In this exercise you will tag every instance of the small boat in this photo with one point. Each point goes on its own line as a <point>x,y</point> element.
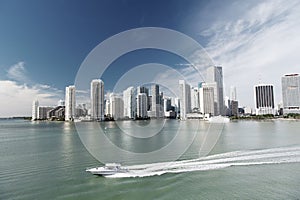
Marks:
<point>108,169</point>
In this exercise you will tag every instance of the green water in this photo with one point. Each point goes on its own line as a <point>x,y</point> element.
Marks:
<point>47,160</point>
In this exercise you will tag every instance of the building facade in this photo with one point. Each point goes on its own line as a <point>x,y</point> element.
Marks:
<point>97,99</point>
<point>142,102</point>
<point>207,96</point>
<point>35,105</point>
<point>185,99</point>
<point>129,98</point>
<point>70,103</point>
<point>214,77</point>
<point>291,93</point>
<point>156,105</point>
<point>195,101</point>
<point>116,107</point>
<point>264,99</point>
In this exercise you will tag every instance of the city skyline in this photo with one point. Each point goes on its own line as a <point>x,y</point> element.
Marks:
<point>41,52</point>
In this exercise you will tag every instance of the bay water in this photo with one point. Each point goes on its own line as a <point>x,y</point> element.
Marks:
<point>250,160</point>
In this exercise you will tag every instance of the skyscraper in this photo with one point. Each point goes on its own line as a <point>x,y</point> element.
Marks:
<point>142,89</point>
<point>210,98</point>
<point>155,100</point>
<point>70,103</point>
<point>97,99</point>
<point>116,106</point>
<point>291,93</point>
<point>35,105</point>
<point>214,74</point>
<point>129,98</point>
<point>142,105</point>
<point>206,95</point>
<point>195,104</point>
<point>264,99</point>
<point>185,99</point>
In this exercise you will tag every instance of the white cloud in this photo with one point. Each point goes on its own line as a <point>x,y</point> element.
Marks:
<point>259,45</point>
<point>17,72</point>
<point>17,94</point>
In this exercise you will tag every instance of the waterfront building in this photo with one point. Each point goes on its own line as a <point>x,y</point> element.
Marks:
<point>214,77</point>
<point>206,95</point>
<point>176,104</point>
<point>129,98</point>
<point>35,105</point>
<point>97,99</point>
<point>116,107</point>
<point>70,103</point>
<point>107,108</point>
<point>195,103</point>
<point>142,105</point>
<point>185,99</point>
<point>291,93</point>
<point>156,105</point>
<point>43,111</point>
<point>234,108</point>
<point>57,113</point>
<point>248,110</point>
<point>81,110</point>
<point>264,99</point>
<point>142,89</point>
<point>167,104</point>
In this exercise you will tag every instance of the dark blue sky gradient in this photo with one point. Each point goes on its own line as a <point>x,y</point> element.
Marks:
<point>54,37</point>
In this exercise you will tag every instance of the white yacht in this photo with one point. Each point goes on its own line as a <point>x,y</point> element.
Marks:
<point>108,169</point>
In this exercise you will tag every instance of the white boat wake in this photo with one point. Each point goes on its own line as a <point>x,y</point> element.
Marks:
<point>218,161</point>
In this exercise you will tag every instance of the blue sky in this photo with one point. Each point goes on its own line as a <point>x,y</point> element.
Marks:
<point>43,43</point>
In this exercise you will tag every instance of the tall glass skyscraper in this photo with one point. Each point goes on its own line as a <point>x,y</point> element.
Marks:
<point>155,100</point>
<point>142,105</point>
<point>185,99</point>
<point>214,74</point>
<point>264,99</point>
<point>97,99</point>
<point>291,93</point>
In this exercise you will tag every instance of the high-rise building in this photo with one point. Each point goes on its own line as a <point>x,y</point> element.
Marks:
<point>97,99</point>
<point>43,112</point>
<point>176,104</point>
<point>195,103</point>
<point>129,98</point>
<point>264,99</point>
<point>291,93</point>
<point>107,108</point>
<point>167,104</point>
<point>185,99</point>
<point>70,103</point>
<point>234,108</point>
<point>35,105</point>
<point>156,105</point>
<point>116,107</point>
<point>142,105</point>
<point>210,98</point>
<point>142,89</point>
<point>214,76</point>
<point>206,95</point>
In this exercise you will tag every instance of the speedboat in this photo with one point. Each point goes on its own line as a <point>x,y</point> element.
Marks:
<point>108,169</point>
